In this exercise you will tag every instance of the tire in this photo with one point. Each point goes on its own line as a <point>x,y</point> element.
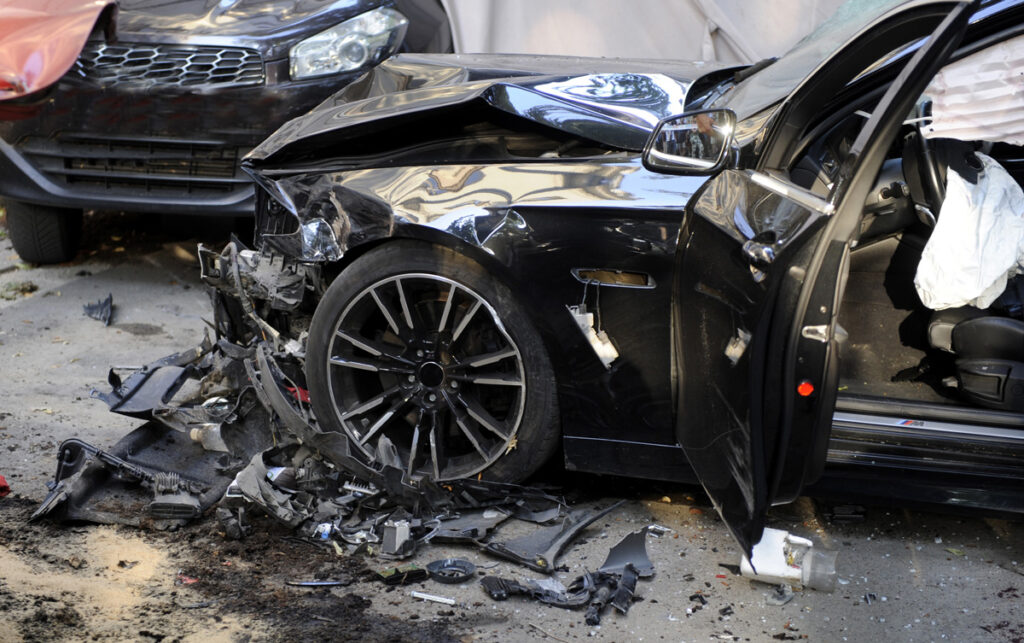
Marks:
<point>476,397</point>
<point>42,233</point>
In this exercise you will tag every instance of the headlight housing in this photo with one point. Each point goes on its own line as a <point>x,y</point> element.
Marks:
<point>364,40</point>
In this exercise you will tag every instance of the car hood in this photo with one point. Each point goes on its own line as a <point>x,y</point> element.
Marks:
<point>40,41</point>
<point>614,102</point>
<point>225,18</point>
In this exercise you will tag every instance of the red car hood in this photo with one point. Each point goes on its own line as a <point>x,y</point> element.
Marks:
<point>40,40</point>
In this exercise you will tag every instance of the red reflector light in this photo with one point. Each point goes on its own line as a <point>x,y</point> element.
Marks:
<point>805,388</point>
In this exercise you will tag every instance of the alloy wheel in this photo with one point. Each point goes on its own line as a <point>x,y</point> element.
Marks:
<point>427,362</point>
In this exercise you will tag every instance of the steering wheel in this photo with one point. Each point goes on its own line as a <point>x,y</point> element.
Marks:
<point>931,172</point>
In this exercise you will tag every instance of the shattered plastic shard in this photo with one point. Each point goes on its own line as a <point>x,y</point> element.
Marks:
<point>102,310</point>
<point>631,551</point>
<point>540,550</point>
<point>781,557</point>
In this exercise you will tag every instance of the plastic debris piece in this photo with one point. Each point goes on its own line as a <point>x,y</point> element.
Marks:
<point>338,582</point>
<point>781,594</point>
<point>451,570</point>
<point>433,599</point>
<point>540,550</point>
<point>4,487</point>
<point>470,526</point>
<point>403,575</point>
<point>625,589</point>
<point>102,310</point>
<point>780,557</point>
<point>631,550</point>
<point>397,540</point>
<point>659,530</point>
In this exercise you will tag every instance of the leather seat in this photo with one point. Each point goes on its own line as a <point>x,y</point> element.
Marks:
<point>989,351</point>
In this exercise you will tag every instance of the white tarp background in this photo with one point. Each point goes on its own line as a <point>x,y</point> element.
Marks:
<point>725,30</point>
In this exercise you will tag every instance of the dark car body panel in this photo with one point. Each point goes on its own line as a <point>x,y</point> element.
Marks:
<point>375,163</point>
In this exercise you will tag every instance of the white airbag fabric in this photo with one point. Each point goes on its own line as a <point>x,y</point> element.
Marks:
<point>981,97</point>
<point>978,241</point>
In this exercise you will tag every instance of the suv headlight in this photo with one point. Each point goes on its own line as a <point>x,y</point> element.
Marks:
<point>366,39</point>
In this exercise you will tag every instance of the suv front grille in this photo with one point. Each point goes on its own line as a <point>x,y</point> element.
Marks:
<point>155,166</point>
<point>175,65</point>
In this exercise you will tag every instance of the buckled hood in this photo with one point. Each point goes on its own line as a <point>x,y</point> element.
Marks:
<point>614,102</point>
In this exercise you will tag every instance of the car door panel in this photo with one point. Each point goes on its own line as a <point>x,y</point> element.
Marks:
<point>761,267</point>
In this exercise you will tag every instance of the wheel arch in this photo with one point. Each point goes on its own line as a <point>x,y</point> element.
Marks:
<point>546,319</point>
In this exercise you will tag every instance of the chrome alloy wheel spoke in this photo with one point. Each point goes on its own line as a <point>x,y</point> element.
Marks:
<point>427,363</point>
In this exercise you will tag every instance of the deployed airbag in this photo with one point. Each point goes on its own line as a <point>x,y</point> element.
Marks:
<point>978,241</point>
<point>979,98</point>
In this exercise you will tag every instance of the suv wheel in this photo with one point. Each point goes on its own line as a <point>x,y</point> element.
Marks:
<point>43,233</point>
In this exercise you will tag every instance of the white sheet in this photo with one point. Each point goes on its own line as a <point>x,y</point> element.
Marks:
<point>978,241</point>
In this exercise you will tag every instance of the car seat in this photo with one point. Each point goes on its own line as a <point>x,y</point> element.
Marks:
<point>989,351</point>
<point>988,344</point>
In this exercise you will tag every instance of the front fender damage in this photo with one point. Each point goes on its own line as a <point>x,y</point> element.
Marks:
<point>229,431</point>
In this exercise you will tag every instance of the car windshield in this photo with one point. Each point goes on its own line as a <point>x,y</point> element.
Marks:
<point>774,82</point>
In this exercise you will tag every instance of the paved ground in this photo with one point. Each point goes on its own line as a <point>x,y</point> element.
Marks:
<point>905,575</point>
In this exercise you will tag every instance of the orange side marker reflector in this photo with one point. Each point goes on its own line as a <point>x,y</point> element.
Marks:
<point>805,388</point>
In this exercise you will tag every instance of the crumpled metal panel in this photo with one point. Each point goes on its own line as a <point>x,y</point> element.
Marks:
<point>475,203</point>
<point>604,100</point>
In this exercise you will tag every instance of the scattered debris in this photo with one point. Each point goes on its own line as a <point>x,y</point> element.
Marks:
<point>403,575</point>
<point>659,530</point>
<point>451,570</point>
<point>781,594</point>
<point>127,564</point>
<point>432,598</point>
<point>5,488</point>
<point>339,582</point>
<point>781,557</point>
<point>15,289</point>
<point>613,584</point>
<point>540,550</point>
<point>630,551</point>
<point>229,430</point>
<point>102,310</point>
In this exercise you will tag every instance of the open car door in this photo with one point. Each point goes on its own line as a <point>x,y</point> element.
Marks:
<point>761,266</point>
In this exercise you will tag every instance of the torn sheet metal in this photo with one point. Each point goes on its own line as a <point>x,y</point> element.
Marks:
<point>540,550</point>
<point>604,99</point>
<point>977,243</point>
<point>978,97</point>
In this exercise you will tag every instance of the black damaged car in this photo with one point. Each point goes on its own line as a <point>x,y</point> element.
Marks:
<point>667,270</point>
<point>167,96</point>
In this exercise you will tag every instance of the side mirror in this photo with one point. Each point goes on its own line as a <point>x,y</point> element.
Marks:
<point>696,142</point>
